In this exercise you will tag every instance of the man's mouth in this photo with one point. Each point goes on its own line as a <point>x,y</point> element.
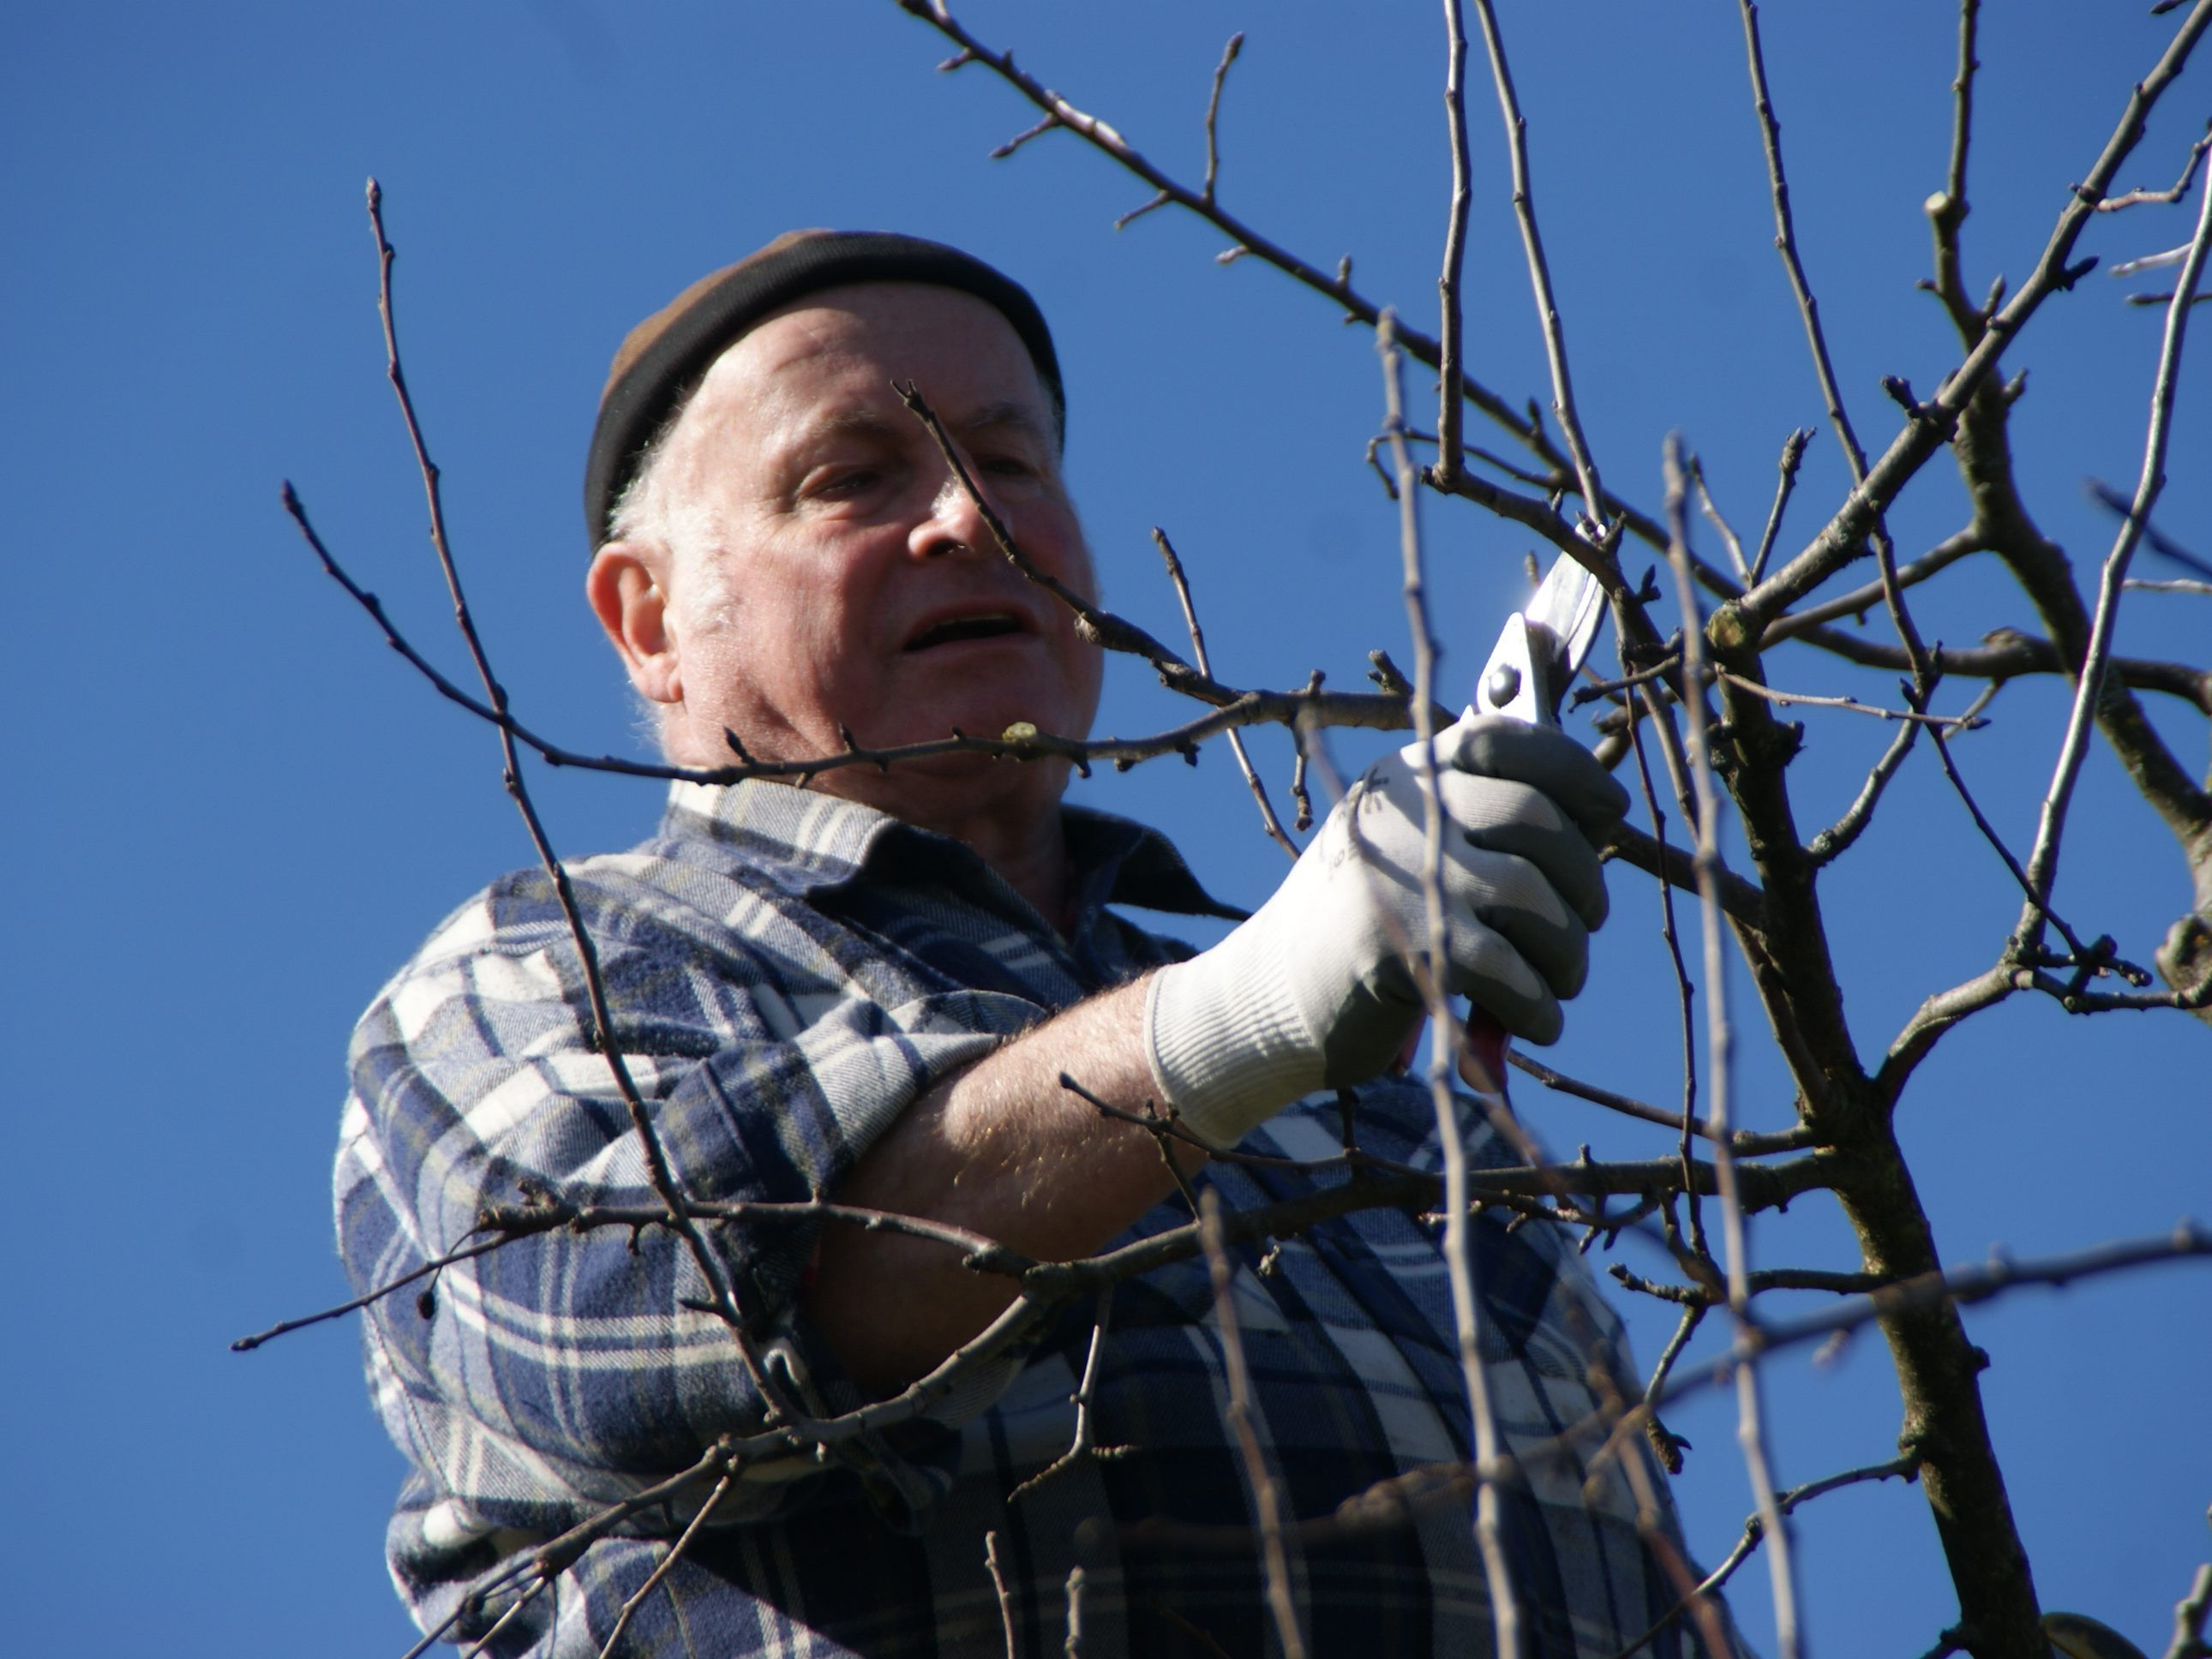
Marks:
<point>984,625</point>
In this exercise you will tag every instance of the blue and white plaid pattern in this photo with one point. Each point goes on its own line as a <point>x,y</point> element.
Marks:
<point>787,972</point>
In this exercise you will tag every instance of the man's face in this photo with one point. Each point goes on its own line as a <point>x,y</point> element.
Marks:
<point>838,578</point>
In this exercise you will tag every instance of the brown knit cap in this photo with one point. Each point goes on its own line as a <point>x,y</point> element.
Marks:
<point>663,359</point>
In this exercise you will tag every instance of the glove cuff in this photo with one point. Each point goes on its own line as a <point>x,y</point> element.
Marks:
<point>1227,1045</point>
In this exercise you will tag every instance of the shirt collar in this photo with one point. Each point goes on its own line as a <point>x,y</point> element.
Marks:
<point>809,842</point>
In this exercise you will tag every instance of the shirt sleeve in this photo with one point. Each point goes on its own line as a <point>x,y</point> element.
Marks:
<point>539,1382</point>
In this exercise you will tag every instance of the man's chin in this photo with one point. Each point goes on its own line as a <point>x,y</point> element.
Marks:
<point>1006,723</point>
<point>945,792</point>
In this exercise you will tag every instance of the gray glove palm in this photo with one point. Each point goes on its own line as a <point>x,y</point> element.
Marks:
<point>1316,990</point>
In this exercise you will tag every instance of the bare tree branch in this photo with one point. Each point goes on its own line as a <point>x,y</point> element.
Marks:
<point>1752,1429</point>
<point>1745,1143</point>
<point>1450,445</point>
<point>2043,859</point>
<point>1793,454</point>
<point>1963,1286</point>
<point>1444,1044</point>
<point>1539,273</point>
<point>1273,824</point>
<point>666,1565</point>
<point>1267,1496</point>
<point>603,1035</point>
<point>2054,270</point>
<point>1785,242</point>
<point>2188,1617</point>
<point>2169,196</point>
<point>1755,1529</point>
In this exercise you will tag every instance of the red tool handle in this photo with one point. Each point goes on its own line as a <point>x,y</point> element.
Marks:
<point>1482,1059</point>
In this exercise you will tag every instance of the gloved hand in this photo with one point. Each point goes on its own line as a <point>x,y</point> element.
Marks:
<point>1315,991</point>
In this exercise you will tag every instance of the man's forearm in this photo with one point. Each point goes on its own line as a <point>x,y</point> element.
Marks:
<point>1001,1150</point>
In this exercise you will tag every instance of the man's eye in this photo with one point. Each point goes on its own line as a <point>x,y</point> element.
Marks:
<point>1011,469</point>
<point>844,485</point>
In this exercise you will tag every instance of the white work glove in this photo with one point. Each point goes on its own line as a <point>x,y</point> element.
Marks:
<point>1315,990</point>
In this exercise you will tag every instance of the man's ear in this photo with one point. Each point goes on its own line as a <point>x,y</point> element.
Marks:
<point>628,597</point>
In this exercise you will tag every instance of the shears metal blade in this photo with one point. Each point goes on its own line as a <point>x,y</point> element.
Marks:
<point>1542,645</point>
<point>1538,653</point>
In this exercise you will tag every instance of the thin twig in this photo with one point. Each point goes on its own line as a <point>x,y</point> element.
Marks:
<point>1670,936</point>
<point>1005,1596</point>
<point>437,1633</point>
<point>482,1645</point>
<point>1762,1187</point>
<point>1832,843</point>
<point>2187,1241</point>
<point>1267,1496</point>
<point>1842,538</point>
<point>2156,539</point>
<point>1996,842</point>
<point>1793,454</point>
<point>1444,1039</point>
<point>2142,198</point>
<point>1668,1445</point>
<point>1746,1143</point>
<point>435,1264</point>
<point>602,1035</point>
<point>1859,600</point>
<point>1852,705</point>
<point>1451,406</point>
<point>1275,825</point>
<point>1114,633</point>
<point>1713,516</point>
<point>1245,240</point>
<point>1072,1647</point>
<point>2043,858</point>
<point>1213,113</point>
<point>1299,792</point>
<point>1948,211</point>
<point>2009,654</point>
<point>1785,243</point>
<point>1755,1529</point>
<point>1163,1126</point>
<point>1751,1430</point>
<point>1023,137</point>
<point>1533,513</point>
<point>1082,1445</point>
<point>2188,1617</point>
<point>663,1568</point>
<point>1596,690</point>
<point>2004,654</point>
<point>1539,274</point>
<point>1705,1294</point>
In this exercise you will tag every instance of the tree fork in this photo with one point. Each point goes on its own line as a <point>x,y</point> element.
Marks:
<point>2045,573</point>
<point>1797,975</point>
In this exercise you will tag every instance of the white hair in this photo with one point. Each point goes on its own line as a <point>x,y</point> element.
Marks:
<point>659,509</point>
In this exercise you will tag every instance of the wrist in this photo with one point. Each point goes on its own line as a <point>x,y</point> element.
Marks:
<point>1227,1043</point>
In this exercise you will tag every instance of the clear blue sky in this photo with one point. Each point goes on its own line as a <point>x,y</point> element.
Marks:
<point>232,812</point>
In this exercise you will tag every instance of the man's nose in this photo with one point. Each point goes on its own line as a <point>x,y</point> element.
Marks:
<point>954,522</point>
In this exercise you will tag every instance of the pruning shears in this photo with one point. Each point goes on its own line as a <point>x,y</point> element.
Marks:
<point>1538,653</point>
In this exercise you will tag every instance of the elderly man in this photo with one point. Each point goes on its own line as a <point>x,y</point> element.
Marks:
<point>866,990</point>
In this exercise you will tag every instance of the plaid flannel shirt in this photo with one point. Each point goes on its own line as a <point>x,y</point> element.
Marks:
<point>787,972</point>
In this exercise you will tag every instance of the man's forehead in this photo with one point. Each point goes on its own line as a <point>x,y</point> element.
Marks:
<point>1002,413</point>
<point>829,362</point>
<point>869,319</point>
